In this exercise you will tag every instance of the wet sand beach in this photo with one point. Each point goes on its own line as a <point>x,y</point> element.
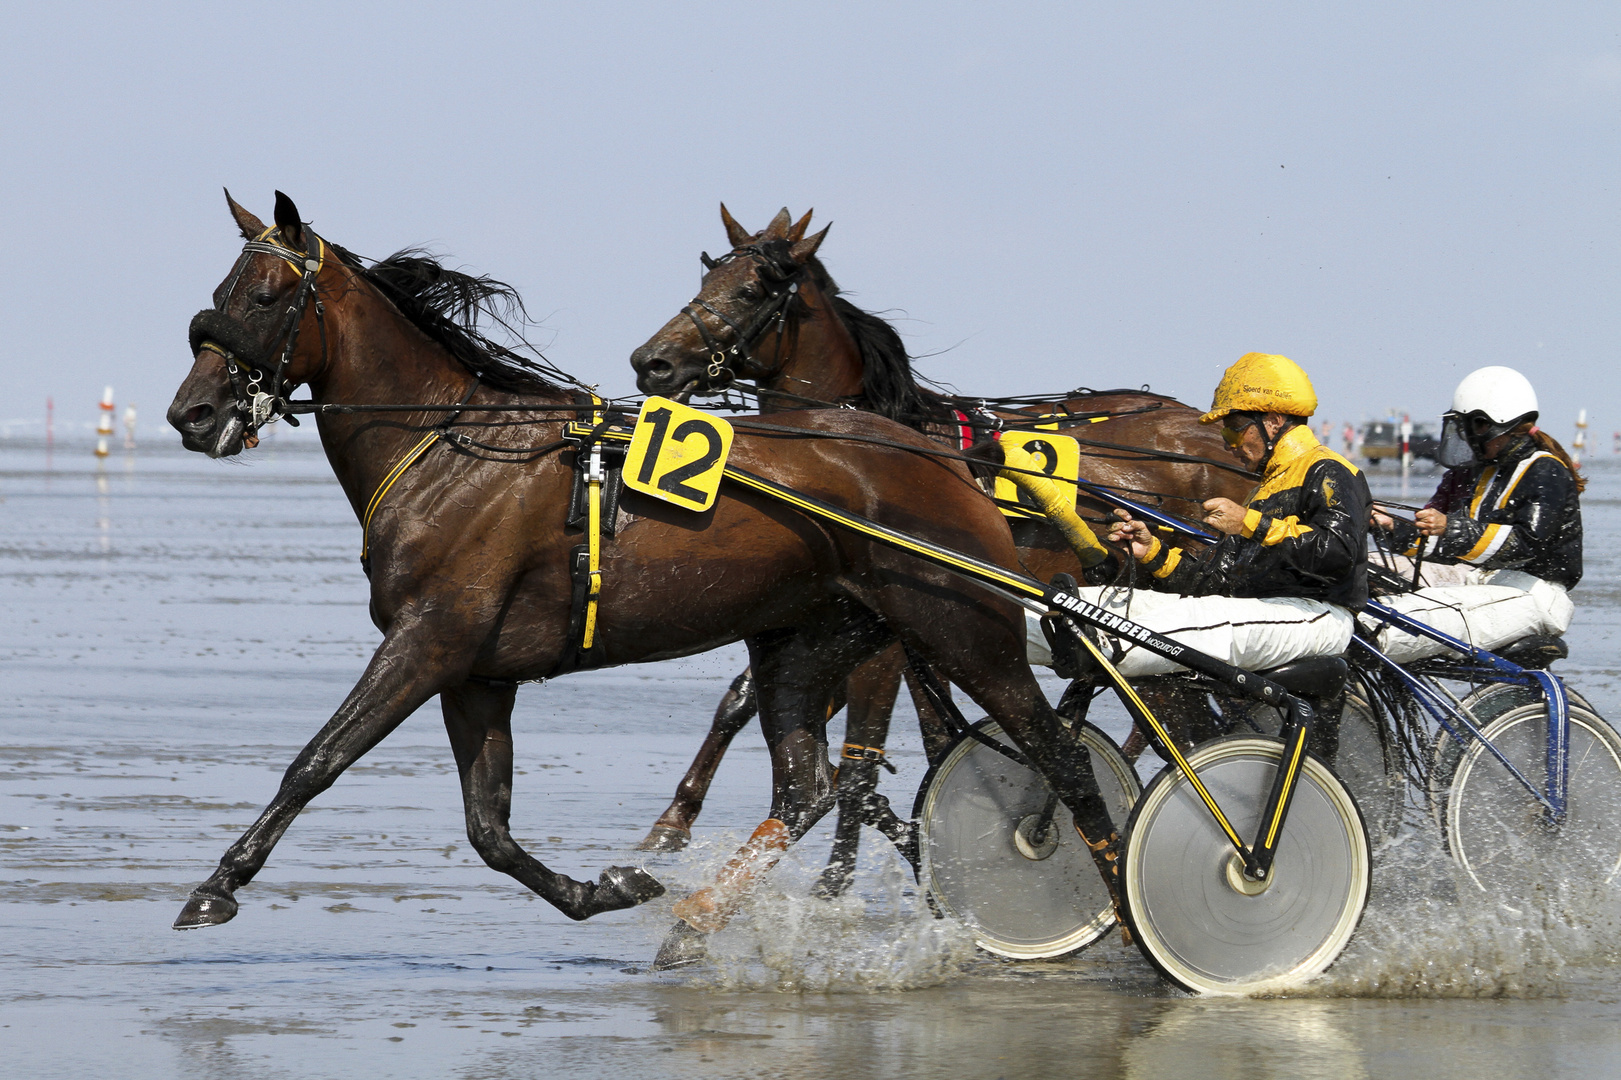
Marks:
<point>172,630</point>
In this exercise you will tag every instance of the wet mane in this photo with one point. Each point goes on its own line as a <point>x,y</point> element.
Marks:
<point>888,385</point>
<point>449,306</point>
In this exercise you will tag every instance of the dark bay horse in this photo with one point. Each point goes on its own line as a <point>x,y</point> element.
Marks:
<point>468,553</point>
<point>770,313</point>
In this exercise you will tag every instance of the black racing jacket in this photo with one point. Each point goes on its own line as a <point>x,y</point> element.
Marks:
<point>1518,512</point>
<point>1305,534</point>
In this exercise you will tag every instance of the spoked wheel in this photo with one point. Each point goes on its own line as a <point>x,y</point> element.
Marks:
<point>1485,704</point>
<point>1371,769</point>
<point>1028,893</point>
<point>1501,836</point>
<point>1198,919</point>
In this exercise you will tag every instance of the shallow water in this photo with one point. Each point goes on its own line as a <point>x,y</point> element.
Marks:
<point>174,629</point>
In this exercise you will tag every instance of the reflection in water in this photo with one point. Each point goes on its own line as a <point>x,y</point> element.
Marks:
<point>104,508</point>
<point>1258,1040</point>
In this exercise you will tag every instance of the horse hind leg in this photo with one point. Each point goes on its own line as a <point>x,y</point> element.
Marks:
<point>478,718</point>
<point>673,829</point>
<point>983,653</point>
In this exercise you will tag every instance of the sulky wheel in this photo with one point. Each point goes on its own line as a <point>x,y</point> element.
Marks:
<point>1502,837</point>
<point>1484,704</point>
<point>1368,762</point>
<point>1198,919</point>
<point>1027,894</point>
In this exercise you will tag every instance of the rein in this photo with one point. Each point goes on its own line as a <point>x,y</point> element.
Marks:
<point>775,308</point>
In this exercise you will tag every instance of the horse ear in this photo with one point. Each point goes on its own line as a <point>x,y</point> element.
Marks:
<point>805,248</point>
<point>250,225</point>
<point>292,229</point>
<point>736,235</point>
<point>797,233</point>
<point>778,229</point>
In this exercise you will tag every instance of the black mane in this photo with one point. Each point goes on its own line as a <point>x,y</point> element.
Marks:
<point>449,305</point>
<point>888,386</point>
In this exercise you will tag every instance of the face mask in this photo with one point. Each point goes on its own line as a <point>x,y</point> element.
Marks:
<point>1455,450</point>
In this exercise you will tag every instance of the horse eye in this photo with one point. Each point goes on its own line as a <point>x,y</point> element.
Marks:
<point>264,297</point>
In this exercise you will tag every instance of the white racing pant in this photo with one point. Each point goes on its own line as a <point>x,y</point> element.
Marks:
<point>1254,634</point>
<point>1491,609</point>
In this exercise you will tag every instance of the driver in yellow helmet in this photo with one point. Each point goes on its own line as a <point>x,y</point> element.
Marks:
<point>1292,565</point>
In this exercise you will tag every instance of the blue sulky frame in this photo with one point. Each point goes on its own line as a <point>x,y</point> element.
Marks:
<point>1477,664</point>
<point>1480,665</point>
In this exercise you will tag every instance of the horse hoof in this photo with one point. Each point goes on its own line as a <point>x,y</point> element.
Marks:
<point>832,883</point>
<point>665,838</point>
<point>205,909</point>
<point>682,946</point>
<point>626,886</point>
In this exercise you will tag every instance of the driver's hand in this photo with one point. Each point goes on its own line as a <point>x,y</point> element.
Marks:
<point>1225,515</point>
<point>1430,522</point>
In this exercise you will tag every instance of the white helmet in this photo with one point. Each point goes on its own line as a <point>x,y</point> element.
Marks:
<point>1488,403</point>
<point>1500,394</point>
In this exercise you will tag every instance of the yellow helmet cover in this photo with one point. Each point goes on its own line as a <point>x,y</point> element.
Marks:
<point>1262,382</point>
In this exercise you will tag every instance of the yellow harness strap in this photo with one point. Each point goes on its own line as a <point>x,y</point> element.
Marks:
<point>388,481</point>
<point>594,477</point>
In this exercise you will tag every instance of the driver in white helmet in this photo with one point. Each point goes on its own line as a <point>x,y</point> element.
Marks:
<point>1501,539</point>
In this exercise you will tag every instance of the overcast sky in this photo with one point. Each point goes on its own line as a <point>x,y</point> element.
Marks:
<point>1044,196</point>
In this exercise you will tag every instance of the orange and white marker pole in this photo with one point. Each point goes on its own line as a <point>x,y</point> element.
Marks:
<point>104,429</point>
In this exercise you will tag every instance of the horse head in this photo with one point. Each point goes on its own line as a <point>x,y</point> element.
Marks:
<point>262,337</point>
<point>744,322</point>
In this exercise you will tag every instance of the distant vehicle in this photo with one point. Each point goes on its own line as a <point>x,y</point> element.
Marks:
<point>1382,439</point>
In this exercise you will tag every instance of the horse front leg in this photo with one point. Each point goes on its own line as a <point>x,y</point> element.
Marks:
<point>397,681</point>
<point>673,829</point>
<point>872,689</point>
<point>478,718</point>
<point>796,672</point>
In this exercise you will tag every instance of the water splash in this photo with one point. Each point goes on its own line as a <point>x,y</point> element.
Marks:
<point>880,936</point>
<point>1431,931</point>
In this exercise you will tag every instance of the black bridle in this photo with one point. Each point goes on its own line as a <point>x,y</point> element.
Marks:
<point>774,308</point>
<point>261,389</point>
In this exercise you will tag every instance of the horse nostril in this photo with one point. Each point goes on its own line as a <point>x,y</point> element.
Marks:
<point>198,416</point>
<point>659,369</point>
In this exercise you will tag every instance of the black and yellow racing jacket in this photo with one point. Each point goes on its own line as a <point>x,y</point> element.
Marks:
<point>1305,534</point>
<point>1518,512</point>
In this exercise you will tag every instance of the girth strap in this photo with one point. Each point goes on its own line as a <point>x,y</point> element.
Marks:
<point>594,477</point>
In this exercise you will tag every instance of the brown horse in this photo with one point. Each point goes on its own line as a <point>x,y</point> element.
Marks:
<point>468,553</point>
<point>769,312</point>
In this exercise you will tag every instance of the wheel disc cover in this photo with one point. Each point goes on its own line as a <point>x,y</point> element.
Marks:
<point>973,867</point>
<point>1210,936</point>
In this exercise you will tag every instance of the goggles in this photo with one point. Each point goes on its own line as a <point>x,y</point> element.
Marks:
<point>1233,426</point>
